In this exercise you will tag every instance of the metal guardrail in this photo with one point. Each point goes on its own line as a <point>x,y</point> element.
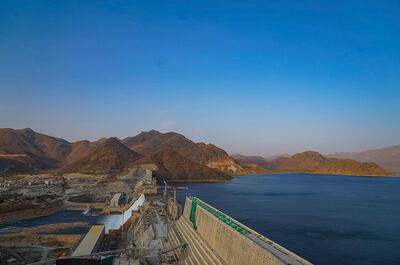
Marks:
<point>281,253</point>
<point>224,218</point>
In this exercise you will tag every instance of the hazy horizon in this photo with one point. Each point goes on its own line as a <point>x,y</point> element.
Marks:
<point>265,155</point>
<point>260,78</point>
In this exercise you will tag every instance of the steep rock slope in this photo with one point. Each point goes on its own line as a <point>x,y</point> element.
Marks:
<point>314,162</point>
<point>172,166</point>
<point>251,160</point>
<point>388,157</point>
<point>110,156</point>
<point>205,154</point>
<point>45,151</point>
<point>12,164</point>
<point>81,149</point>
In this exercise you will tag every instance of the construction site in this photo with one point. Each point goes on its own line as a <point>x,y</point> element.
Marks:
<point>154,228</point>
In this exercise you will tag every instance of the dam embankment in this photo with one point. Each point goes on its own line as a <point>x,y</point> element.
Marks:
<point>215,235</point>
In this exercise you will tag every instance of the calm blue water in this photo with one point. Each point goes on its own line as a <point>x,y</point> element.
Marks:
<point>328,220</point>
<point>62,217</point>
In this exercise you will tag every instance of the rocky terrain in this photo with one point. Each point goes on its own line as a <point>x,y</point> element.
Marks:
<point>10,163</point>
<point>388,157</point>
<point>173,166</point>
<point>26,151</point>
<point>255,161</point>
<point>314,162</point>
<point>206,154</point>
<point>110,156</point>
<point>177,158</point>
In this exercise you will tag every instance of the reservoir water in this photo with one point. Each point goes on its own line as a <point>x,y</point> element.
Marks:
<point>67,216</point>
<point>113,221</point>
<point>329,220</point>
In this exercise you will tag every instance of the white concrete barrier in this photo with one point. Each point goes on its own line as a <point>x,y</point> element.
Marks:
<point>115,221</point>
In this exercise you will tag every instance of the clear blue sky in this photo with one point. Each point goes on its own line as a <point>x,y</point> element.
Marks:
<point>255,77</point>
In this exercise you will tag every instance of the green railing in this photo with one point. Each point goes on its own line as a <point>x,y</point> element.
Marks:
<point>224,218</point>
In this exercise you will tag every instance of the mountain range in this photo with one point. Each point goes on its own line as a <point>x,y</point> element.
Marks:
<point>177,158</point>
<point>388,157</point>
<point>314,162</point>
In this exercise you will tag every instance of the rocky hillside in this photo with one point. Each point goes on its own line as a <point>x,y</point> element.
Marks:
<point>110,156</point>
<point>173,166</point>
<point>178,158</point>
<point>314,162</point>
<point>29,142</point>
<point>81,149</point>
<point>11,164</point>
<point>26,151</point>
<point>40,151</point>
<point>201,153</point>
<point>258,161</point>
<point>388,157</point>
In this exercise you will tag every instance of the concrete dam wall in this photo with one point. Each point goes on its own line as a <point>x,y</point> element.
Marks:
<point>216,238</point>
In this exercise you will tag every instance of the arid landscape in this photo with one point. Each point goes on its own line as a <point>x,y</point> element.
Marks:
<point>42,175</point>
<point>199,132</point>
<point>25,151</point>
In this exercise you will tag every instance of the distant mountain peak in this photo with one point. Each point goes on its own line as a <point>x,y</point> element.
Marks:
<point>153,132</point>
<point>27,130</point>
<point>111,141</point>
<point>113,144</point>
<point>179,157</point>
<point>314,162</point>
<point>310,155</point>
<point>209,155</point>
<point>387,157</point>
<point>173,166</point>
<point>109,157</point>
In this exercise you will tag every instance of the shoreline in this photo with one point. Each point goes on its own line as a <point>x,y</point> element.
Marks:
<point>317,173</point>
<point>42,212</point>
<point>28,214</point>
<point>201,181</point>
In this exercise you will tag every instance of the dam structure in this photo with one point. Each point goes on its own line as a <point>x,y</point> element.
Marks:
<point>216,238</point>
<point>156,230</point>
<point>202,235</point>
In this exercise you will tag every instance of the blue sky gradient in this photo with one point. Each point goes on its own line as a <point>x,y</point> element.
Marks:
<point>255,77</point>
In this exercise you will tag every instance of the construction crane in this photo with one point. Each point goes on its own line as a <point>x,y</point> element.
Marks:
<point>174,188</point>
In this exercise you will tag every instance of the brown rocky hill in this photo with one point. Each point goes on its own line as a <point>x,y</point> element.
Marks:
<point>314,162</point>
<point>175,167</point>
<point>205,154</point>
<point>12,164</point>
<point>110,156</point>
<point>388,157</point>
<point>81,149</point>
<point>29,142</point>
<point>26,151</point>
<point>251,160</point>
<point>45,151</point>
